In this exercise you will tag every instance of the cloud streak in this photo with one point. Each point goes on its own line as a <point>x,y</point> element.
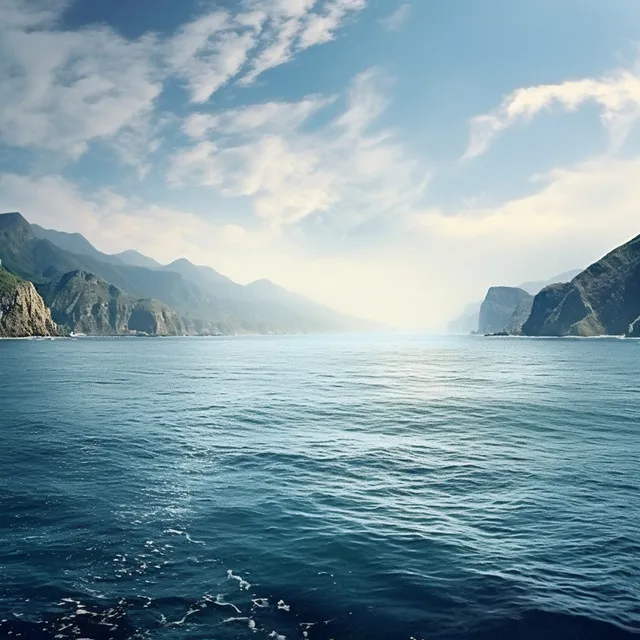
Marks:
<point>348,169</point>
<point>617,95</point>
<point>63,90</point>
<point>396,20</point>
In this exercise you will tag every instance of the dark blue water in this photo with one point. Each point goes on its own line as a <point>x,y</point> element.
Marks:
<point>316,487</point>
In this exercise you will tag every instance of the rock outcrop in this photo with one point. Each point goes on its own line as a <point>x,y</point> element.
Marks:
<point>23,313</point>
<point>469,320</point>
<point>504,310</point>
<point>602,300</point>
<point>84,303</point>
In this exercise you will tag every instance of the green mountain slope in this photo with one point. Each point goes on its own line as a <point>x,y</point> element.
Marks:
<point>207,301</point>
<point>602,300</point>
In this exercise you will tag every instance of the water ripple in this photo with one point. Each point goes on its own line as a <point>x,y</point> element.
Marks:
<point>319,487</point>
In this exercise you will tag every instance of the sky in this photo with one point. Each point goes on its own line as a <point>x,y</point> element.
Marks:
<point>390,158</point>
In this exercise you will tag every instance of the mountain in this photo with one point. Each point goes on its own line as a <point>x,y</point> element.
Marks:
<point>84,303</point>
<point>206,278</point>
<point>283,304</point>
<point>207,301</point>
<point>136,259</point>
<point>535,287</point>
<point>602,300</point>
<point>22,311</point>
<point>504,309</point>
<point>76,243</point>
<point>469,319</point>
<point>73,243</point>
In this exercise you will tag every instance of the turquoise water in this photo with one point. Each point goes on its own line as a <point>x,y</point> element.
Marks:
<point>320,487</point>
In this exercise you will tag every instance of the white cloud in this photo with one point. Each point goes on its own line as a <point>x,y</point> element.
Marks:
<point>397,20</point>
<point>266,116</point>
<point>291,173</point>
<point>618,96</point>
<point>295,27</point>
<point>18,14</point>
<point>114,223</point>
<point>211,50</point>
<point>321,27</point>
<point>594,199</point>
<point>61,90</point>
<point>278,50</point>
<point>220,47</point>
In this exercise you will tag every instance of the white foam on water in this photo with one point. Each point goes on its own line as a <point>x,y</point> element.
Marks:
<point>221,603</point>
<point>180,532</point>
<point>250,622</point>
<point>180,622</point>
<point>260,602</point>
<point>241,581</point>
<point>283,606</point>
<point>277,636</point>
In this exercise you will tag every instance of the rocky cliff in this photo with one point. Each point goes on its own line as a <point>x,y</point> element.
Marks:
<point>602,300</point>
<point>23,313</point>
<point>469,320</point>
<point>84,303</point>
<point>504,309</point>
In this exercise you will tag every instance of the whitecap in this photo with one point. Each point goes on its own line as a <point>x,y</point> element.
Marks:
<point>282,605</point>
<point>221,603</point>
<point>241,581</point>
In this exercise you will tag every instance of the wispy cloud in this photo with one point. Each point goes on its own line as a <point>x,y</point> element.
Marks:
<point>618,96</point>
<point>116,223</point>
<point>296,26</point>
<point>267,117</point>
<point>347,168</point>
<point>62,90</point>
<point>396,20</point>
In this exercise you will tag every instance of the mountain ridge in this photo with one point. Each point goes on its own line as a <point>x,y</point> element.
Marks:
<point>468,321</point>
<point>208,302</point>
<point>604,299</point>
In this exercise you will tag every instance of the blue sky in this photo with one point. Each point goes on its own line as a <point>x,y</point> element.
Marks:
<point>390,158</point>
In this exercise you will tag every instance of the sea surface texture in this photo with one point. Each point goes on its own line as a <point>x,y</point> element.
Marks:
<point>374,487</point>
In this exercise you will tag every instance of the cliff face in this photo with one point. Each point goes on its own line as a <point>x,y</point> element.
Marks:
<point>602,300</point>
<point>22,311</point>
<point>504,309</point>
<point>87,304</point>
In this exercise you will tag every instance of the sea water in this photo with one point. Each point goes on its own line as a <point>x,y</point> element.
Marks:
<point>345,487</point>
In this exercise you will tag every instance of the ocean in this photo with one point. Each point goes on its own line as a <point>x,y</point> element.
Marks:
<point>346,487</point>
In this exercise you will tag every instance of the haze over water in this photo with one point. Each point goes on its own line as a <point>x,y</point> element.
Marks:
<point>320,487</point>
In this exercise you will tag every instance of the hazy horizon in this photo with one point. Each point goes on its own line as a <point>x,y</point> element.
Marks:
<point>386,159</point>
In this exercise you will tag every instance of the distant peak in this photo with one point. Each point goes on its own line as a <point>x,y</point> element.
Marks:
<point>263,282</point>
<point>267,287</point>
<point>12,219</point>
